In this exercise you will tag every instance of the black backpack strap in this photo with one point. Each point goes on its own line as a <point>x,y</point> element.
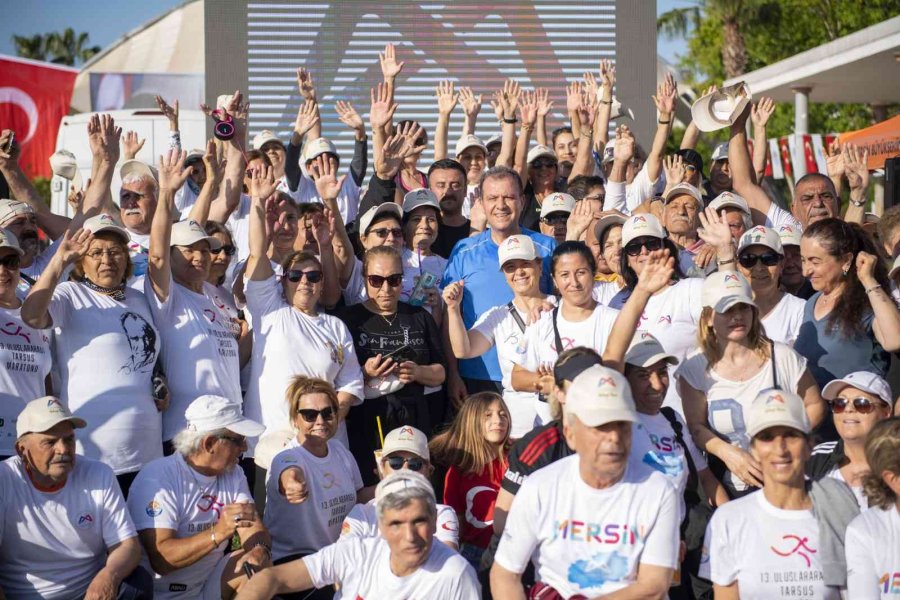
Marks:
<point>774,370</point>
<point>693,482</point>
<point>515,316</point>
<point>558,339</point>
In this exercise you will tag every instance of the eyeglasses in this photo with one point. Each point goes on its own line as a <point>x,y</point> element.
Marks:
<point>543,164</point>
<point>769,259</point>
<point>862,405</point>
<point>112,253</point>
<point>376,281</point>
<point>382,232</point>
<point>397,462</point>
<point>237,441</point>
<point>651,244</point>
<point>310,415</point>
<point>295,275</point>
<point>10,262</point>
<point>690,168</point>
<point>229,250</point>
<point>555,220</point>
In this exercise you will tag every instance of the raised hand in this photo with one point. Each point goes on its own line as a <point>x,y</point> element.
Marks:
<point>11,157</point>
<point>666,93</point>
<point>574,96</point>
<point>470,102</point>
<point>590,86</point>
<point>103,137</point>
<point>713,229</point>
<point>761,112</point>
<point>390,68</point>
<point>172,172</point>
<point>447,97</point>
<point>305,84</point>
<point>587,110</point>
<point>453,295</point>
<point>132,144</point>
<point>834,160</point>
<point>528,108</point>
<point>214,162</point>
<point>607,74</point>
<point>323,228</point>
<point>239,111</point>
<point>397,148</point>
<point>544,104</point>
<point>293,485</point>
<point>579,220</point>
<point>855,167</point>
<point>170,112</point>
<point>624,148</point>
<point>673,165</point>
<point>74,245</point>
<point>348,116</point>
<point>307,117</point>
<point>657,272</point>
<point>381,110</point>
<point>509,98</point>
<point>324,173</point>
<point>262,183</point>
<point>865,269</point>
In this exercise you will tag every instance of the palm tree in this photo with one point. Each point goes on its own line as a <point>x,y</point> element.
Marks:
<point>69,47</point>
<point>34,47</point>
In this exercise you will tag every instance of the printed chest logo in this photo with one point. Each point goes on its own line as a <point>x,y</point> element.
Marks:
<point>208,503</point>
<point>480,514</point>
<point>794,544</point>
<point>14,330</point>
<point>890,583</point>
<point>599,569</point>
<point>567,343</point>
<point>154,509</point>
<point>141,342</point>
<point>667,319</point>
<point>329,480</point>
<point>85,521</point>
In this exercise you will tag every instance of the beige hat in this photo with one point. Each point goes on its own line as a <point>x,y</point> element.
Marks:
<point>721,108</point>
<point>139,168</point>
<point>468,141</point>
<point>317,147</point>
<point>11,209</point>
<point>418,198</point>
<point>539,151</point>
<point>642,225</point>
<point>761,236</point>
<point>195,154</point>
<point>730,200</point>
<point>557,202</point>
<point>43,414</point>
<point>724,289</point>
<point>189,232</point>
<point>402,480</point>
<point>264,137</point>
<point>861,380</point>
<point>8,240</point>
<point>494,139</point>
<point>366,220</point>
<point>63,164</point>
<point>406,439</point>
<point>721,152</point>
<point>790,235</point>
<point>599,396</point>
<point>105,222</point>
<point>683,189</point>
<point>609,151</point>
<point>606,222</point>
<point>516,247</point>
<point>646,350</point>
<point>773,408</point>
<point>210,413</point>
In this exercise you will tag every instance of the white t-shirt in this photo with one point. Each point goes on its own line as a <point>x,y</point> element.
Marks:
<point>355,290</point>
<point>782,324</point>
<point>872,547</point>
<point>588,541</point>
<point>362,522</point>
<point>414,265</point>
<point>771,553</point>
<point>169,494</point>
<point>861,499</point>
<point>777,217</point>
<point>728,401</point>
<point>362,567</point>
<point>653,442</point>
<point>286,343</point>
<point>52,544</point>
<point>332,482</point>
<point>499,328</point>
<point>199,351</point>
<point>104,353</point>
<point>604,291</point>
<point>347,200</point>
<point>25,358</point>
<point>139,249</point>
<point>239,225</point>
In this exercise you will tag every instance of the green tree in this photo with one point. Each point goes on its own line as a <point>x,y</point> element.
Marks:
<point>64,48</point>
<point>33,47</point>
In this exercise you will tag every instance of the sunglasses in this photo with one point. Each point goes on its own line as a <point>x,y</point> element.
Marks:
<point>310,414</point>
<point>382,232</point>
<point>237,441</point>
<point>10,262</point>
<point>296,275</point>
<point>543,164</point>
<point>651,244</point>
<point>862,405</point>
<point>769,259</point>
<point>555,220</point>
<point>397,462</point>
<point>229,250</point>
<point>376,281</point>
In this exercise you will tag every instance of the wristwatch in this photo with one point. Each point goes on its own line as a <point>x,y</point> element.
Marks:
<point>858,203</point>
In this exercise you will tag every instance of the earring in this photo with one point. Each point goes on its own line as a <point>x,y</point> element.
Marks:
<point>845,270</point>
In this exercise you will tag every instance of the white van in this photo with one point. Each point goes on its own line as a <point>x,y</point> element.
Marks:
<point>150,125</point>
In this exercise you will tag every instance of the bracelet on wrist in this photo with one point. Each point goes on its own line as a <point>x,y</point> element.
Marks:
<point>858,203</point>
<point>666,122</point>
<point>606,102</point>
<point>725,262</point>
<point>512,120</point>
<point>212,536</point>
<point>869,290</point>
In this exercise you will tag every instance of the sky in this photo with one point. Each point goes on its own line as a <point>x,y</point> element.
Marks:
<point>107,20</point>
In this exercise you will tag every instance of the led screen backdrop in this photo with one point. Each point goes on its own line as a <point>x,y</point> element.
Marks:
<point>540,44</point>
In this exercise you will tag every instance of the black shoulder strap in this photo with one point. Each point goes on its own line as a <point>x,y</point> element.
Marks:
<point>774,370</point>
<point>693,480</point>
<point>515,316</point>
<point>558,339</point>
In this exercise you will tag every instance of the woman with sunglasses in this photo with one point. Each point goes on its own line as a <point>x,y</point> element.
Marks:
<point>314,482</point>
<point>25,351</point>
<point>219,292</point>
<point>872,543</point>
<point>540,181</point>
<point>719,381</point>
<point>399,348</point>
<point>381,225</point>
<point>858,402</point>
<point>474,450</point>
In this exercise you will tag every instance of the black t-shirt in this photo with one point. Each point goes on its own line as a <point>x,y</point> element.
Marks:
<point>447,237</point>
<point>538,448</point>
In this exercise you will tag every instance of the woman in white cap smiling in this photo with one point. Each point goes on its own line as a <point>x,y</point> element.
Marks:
<point>787,539</point>
<point>101,324</point>
<point>858,402</point>
<point>422,268</point>
<point>719,381</point>
<point>24,351</point>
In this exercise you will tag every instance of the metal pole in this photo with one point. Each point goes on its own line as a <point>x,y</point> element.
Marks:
<point>801,125</point>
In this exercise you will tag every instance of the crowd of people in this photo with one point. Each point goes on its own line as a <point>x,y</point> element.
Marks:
<point>253,370</point>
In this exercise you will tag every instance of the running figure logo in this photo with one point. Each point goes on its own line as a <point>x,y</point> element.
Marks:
<point>799,547</point>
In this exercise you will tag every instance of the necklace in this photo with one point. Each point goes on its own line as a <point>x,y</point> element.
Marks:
<point>390,322</point>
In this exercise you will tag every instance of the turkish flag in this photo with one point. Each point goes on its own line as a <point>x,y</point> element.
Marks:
<point>785,151</point>
<point>34,97</point>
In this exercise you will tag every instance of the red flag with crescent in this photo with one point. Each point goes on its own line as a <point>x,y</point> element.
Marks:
<point>34,97</point>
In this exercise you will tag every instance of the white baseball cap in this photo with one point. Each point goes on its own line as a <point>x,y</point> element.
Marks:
<point>646,350</point>
<point>516,247</point>
<point>609,151</point>
<point>10,209</point>
<point>270,444</point>
<point>139,168</point>
<point>557,202</point>
<point>721,152</point>
<point>790,235</point>
<point>773,408</point>
<point>189,232</point>
<point>63,164</point>
<point>683,189</point>
<point>730,200</point>
<point>538,152</point>
<point>606,222</point>
<point>861,380</point>
<point>264,137</point>
<point>721,108</point>
<point>8,240</point>
<point>642,225</point>
<point>391,208</point>
<point>468,141</point>
<point>45,413</point>
<point>761,236</point>
<point>105,222</point>
<point>209,413</point>
<point>318,147</point>
<point>418,198</point>
<point>600,395</point>
<point>402,480</point>
<point>406,439</point>
<point>195,154</point>
<point>494,139</point>
<point>724,289</point>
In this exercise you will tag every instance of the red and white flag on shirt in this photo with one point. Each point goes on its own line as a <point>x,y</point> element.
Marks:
<point>34,97</point>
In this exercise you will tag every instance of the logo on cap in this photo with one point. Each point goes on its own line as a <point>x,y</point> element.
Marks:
<point>406,433</point>
<point>786,228</point>
<point>731,277</point>
<point>638,219</point>
<point>607,381</point>
<point>774,399</point>
<point>512,242</point>
<point>106,220</point>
